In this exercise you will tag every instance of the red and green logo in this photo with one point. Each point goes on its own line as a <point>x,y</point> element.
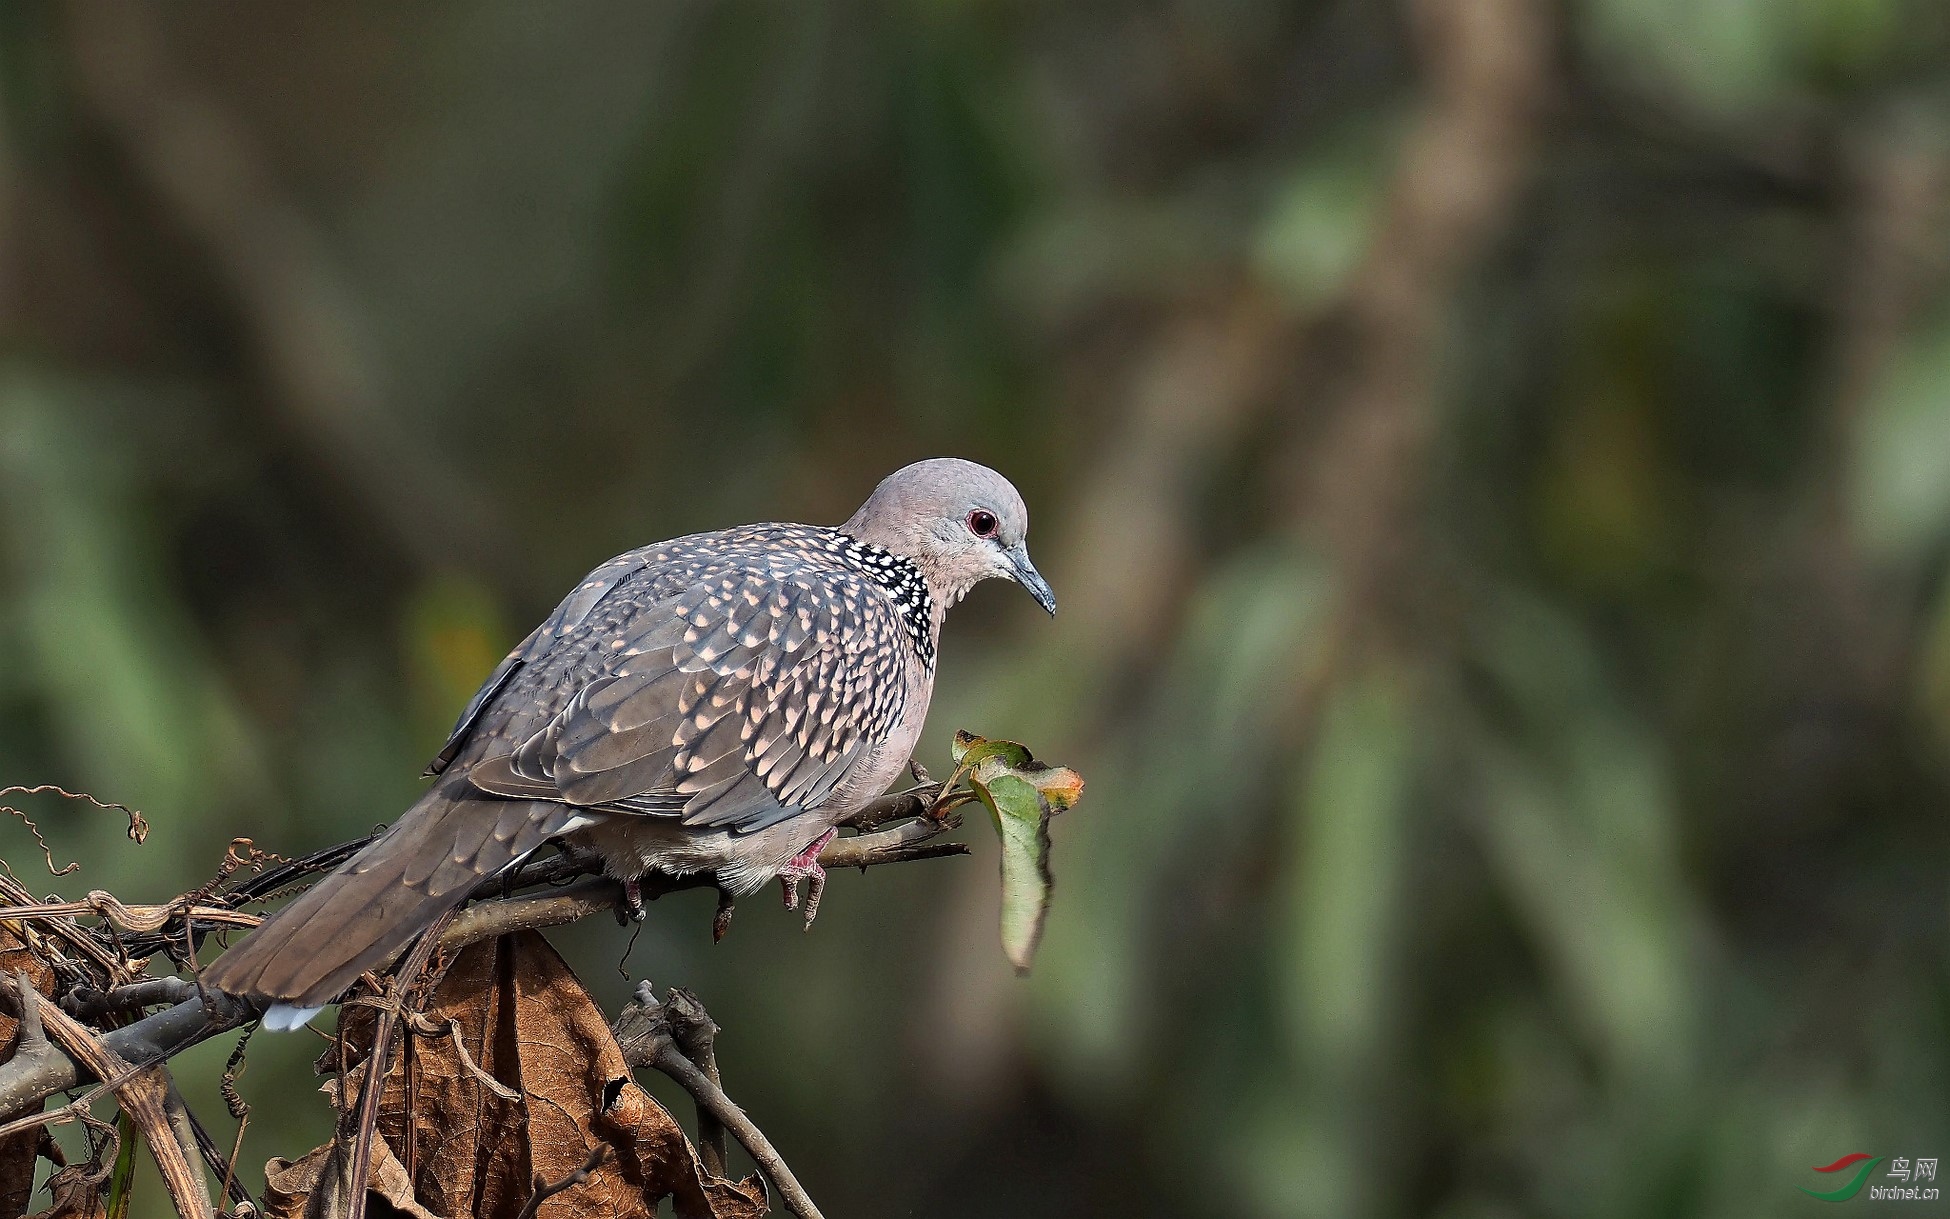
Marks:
<point>1843,1193</point>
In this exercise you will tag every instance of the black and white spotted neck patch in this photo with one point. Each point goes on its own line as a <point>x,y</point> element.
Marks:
<point>903,580</point>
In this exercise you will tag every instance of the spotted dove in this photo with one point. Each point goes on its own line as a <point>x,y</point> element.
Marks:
<point>714,704</point>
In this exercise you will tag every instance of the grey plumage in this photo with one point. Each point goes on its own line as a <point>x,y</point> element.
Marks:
<point>713,703</point>
<point>729,679</point>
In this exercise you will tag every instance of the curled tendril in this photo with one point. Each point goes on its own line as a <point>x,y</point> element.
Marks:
<point>227,1087</point>
<point>47,852</point>
<point>138,827</point>
<point>241,853</point>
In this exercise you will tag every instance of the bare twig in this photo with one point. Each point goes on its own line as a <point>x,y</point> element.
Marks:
<point>32,1050</point>
<point>269,884</point>
<point>240,854</point>
<point>222,1167</point>
<point>544,1191</point>
<point>895,806</point>
<point>75,1110</point>
<point>109,966</point>
<point>146,918</point>
<point>231,1187</point>
<point>903,843</point>
<point>240,1112</point>
<point>86,1003</point>
<point>31,1077</point>
<point>485,920</point>
<point>359,1165</point>
<point>643,1032</point>
<point>141,1095</point>
<point>696,1035</point>
<point>182,1125</point>
<point>273,881</point>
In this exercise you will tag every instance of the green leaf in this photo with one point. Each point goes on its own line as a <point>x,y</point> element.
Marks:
<point>1021,816</point>
<point>122,1181</point>
<point>970,750</point>
<point>1021,795</point>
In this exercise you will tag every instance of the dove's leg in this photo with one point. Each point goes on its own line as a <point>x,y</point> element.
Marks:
<point>805,866</point>
<point>632,902</point>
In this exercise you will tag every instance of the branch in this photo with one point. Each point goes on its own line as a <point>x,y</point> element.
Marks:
<point>87,1003</point>
<point>29,1077</point>
<point>222,1167</point>
<point>593,894</point>
<point>141,1092</point>
<point>906,841</point>
<point>486,920</point>
<point>643,1032</point>
<point>914,802</point>
<point>364,1129</point>
<point>176,1111</point>
<point>544,1191</point>
<point>265,885</point>
<point>33,1052</point>
<point>66,930</point>
<point>696,1035</point>
<point>35,1074</point>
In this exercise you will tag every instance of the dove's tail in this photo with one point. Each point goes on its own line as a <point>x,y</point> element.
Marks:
<point>364,914</point>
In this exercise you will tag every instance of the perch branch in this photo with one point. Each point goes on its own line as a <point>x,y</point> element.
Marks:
<point>894,806</point>
<point>35,1076</point>
<point>903,843</point>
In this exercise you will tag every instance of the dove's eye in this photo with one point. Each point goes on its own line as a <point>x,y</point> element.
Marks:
<point>982,523</point>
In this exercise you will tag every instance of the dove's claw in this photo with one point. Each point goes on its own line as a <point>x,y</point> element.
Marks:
<point>632,907</point>
<point>815,889</point>
<point>805,866</point>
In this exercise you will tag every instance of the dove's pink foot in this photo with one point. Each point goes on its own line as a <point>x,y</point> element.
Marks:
<point>632,908</point>
<point>805,866</point>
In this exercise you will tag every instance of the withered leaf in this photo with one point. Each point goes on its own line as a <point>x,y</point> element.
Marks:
<point>461,1149</point>
<point>315,1187</point>
<point>18,1151</point>
<point>77,1195</point>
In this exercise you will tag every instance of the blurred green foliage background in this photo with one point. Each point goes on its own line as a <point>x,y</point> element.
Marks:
<point>1494,456</point>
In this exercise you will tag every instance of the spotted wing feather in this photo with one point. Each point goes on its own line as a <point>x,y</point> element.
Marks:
<point>569,615</point>
<point>735,703</point>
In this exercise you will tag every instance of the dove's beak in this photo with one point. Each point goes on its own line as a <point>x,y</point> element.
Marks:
<point>1031,579</point>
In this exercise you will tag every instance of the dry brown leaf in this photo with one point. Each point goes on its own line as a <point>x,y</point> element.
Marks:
<point>292,1190</point>
<point>76,1196</point>
<point>18,1151</point>
<point>526,1023</point>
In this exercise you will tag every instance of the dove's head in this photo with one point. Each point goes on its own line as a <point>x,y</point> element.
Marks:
<point>958,522</point>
